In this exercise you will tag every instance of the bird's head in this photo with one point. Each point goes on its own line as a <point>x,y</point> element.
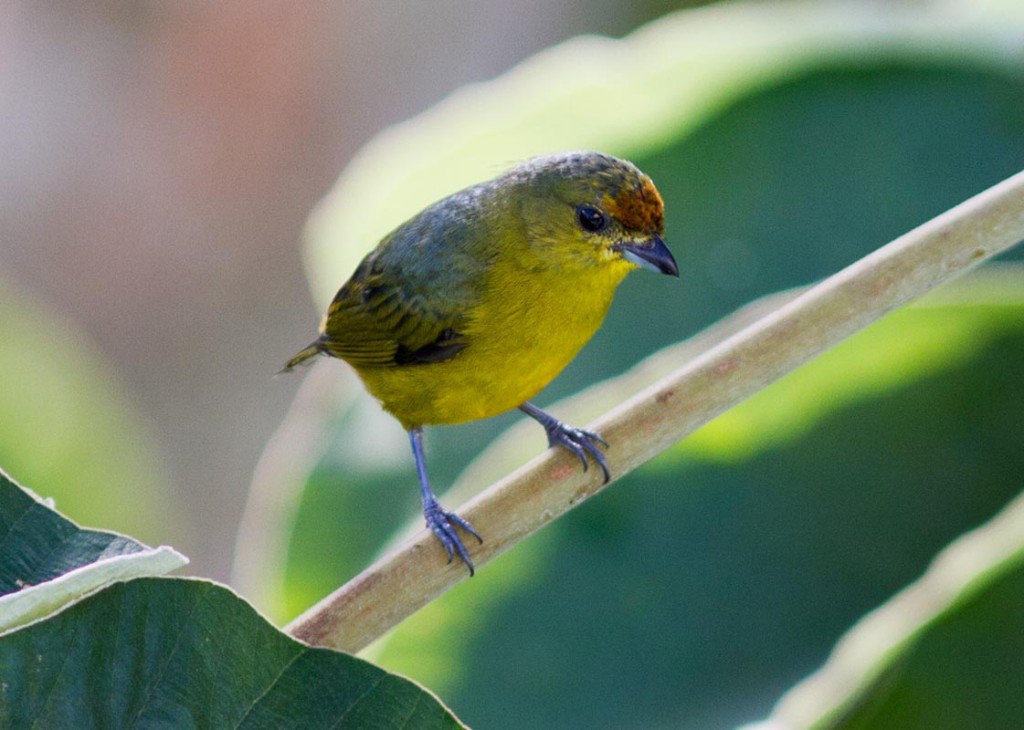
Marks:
<point>590,208</point>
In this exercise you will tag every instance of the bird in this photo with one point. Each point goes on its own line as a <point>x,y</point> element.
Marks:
<point>471,307</point>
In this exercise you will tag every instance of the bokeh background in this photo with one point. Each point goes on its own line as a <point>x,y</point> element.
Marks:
<point>159,162</point>
<point>156,268</point>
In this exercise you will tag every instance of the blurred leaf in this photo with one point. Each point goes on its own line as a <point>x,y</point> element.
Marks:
<point>67,427</point>
<point>903,664</point>
<point>915,343</point>
<point>634,96</point>
<point>48,561</point>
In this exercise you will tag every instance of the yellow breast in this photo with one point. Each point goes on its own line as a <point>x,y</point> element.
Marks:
<point>530,323</point>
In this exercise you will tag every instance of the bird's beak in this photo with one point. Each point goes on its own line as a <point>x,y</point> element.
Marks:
<point>651,253</point>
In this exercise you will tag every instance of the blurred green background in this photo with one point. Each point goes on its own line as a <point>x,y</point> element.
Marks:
<point>788,141</point>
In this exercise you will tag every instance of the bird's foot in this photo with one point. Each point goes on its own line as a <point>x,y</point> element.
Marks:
<point>579,442</point>
<point>443,525</point>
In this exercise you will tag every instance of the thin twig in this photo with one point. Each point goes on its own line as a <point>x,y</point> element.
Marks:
<point>520,504</point>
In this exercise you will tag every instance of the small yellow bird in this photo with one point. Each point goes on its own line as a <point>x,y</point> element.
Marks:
<point>473,306</point>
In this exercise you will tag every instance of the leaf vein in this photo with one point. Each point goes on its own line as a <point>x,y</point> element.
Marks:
<point>182,627</point>
<point>355,703</point>
<point>270,686</point>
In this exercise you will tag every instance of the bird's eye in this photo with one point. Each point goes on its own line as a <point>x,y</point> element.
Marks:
<point>591,219</point>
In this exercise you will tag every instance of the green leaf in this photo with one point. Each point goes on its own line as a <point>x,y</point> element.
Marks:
<point>902,664</point>
<point>935,335</point>
<point>633,96</point>
<point>186,653</point>
<point>83,645</point>
<point>48,561</point>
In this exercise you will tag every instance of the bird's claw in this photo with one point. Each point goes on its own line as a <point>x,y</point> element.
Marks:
<point>443,525</point>
<point>579,442</point>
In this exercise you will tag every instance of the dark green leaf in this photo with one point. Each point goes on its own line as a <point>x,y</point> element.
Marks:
<point>181,653</point>
<point>945,652</point>
<point>47,561</point>
<point>37,544</point>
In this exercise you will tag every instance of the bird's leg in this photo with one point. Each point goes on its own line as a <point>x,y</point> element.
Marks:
<point>441,523</point>
<point>576,440</point>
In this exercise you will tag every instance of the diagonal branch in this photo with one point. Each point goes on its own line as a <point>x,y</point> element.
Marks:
<point>399,584</point>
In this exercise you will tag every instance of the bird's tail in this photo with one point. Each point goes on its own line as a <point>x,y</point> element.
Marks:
<point>302,357</point>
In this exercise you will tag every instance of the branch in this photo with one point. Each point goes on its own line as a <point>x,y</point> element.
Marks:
<point>515,507</point>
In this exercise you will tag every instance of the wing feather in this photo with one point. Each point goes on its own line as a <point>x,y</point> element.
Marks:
<point>382,320</point>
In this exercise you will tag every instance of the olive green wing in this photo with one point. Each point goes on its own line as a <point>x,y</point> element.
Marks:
<point>387,316</point>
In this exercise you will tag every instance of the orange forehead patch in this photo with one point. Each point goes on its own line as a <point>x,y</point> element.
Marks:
<point>638,207</point>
